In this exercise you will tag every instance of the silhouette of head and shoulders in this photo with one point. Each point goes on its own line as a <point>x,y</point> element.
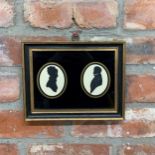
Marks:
<point>52,82</point>
<point>97,80</point>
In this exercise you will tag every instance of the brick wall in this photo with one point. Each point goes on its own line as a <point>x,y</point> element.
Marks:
<point>98,20</point>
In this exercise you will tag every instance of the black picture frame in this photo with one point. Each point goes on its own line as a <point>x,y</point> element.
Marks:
<point>73,80</point>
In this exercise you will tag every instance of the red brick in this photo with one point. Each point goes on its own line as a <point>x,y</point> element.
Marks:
<point>89,129</point>
<point>10,51</point>
<point>6,13</point>
<point>138,123</point>
<point>9,88</point>
<point>12,125</point>
<point>96,15</point>
<point>70,149</point>
<point>140,14</point>
<point>8,149</point>
<point>45,15</point>
<point>140,88</point>
<point>142,149</point>
<point>140,50</point>
<point>133,128</point>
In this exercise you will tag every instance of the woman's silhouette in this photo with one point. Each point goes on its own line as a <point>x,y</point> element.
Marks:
<point>53,73</point>
<point>97,80</point>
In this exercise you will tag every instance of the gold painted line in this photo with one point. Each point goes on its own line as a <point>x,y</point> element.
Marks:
<point>74,119</point>
<point>79,49</point>
<point>23,72</point>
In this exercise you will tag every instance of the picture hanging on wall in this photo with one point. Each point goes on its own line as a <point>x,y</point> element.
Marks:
<point>73,80</point>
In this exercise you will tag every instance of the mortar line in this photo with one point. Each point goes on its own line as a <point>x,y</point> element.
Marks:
<point>114,150</point>
<point>22,148</point>
<point>120,16</point>
<point>116,141</point>
<point>24,29</point>
<point>19,8</point>
<point>139,105</point>
<point>18,106</point>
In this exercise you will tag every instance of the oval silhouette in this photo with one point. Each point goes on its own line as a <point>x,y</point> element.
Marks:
<point>52,80</point>
<point>95,79</point>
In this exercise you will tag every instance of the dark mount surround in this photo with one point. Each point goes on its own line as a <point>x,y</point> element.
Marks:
<point>74,103</point>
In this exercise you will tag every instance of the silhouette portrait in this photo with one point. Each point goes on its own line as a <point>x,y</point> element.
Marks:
<point>52,82</point>
<point>97,80</point>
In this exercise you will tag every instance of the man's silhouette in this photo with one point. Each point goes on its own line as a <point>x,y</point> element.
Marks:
<point>97,80</point>
<point>53,73</point>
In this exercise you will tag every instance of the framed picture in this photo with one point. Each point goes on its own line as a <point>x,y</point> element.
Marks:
<point>73,80</point>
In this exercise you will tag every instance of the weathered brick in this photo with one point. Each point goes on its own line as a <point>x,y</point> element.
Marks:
<point>12,125</point>
<point>142,149</point>
<point>140,50</point>
<point>137,123</point>
<point>140,88</point>
<point>96,15</point>
<point>70,149</point>
<point>133,128</point>
<point>6,13</point>
<point>9,88</point>
<point>139,14</point>
<point>44,15</point>
<point>10,51</point>
<point>8,149</point>
<point>89,129</point>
